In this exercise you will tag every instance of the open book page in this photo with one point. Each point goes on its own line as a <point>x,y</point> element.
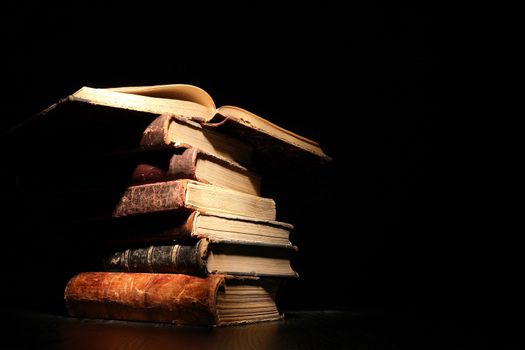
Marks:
<point>182,92</point>
<point>253,121</point>
<point>142,102</point>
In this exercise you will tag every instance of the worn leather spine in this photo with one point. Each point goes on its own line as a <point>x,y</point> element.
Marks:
<point>179,166</point>
<point>147,173</point>
<point>156,134</point>
<point>189,259</point>
<point>177,299</point>
<point>152,198</point>
<point>182,166</point>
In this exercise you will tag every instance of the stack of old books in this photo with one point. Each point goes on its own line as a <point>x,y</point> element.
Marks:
<point>188,237</point>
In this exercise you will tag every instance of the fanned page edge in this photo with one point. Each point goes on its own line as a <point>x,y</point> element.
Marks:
<point>281,224</point>
<point>253,121</point>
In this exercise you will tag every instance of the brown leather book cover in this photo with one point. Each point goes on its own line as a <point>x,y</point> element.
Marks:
<point>177,299</point>
<point>171,298</point>
<point>178,166</point>
<point>152,198</point>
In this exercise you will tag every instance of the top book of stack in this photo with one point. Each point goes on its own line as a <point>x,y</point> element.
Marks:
<point>196,106</point>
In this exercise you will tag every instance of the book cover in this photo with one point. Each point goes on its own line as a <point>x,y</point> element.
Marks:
<point>192,195</point>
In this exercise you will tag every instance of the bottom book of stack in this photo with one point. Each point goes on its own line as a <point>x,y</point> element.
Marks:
<point>213,300</point>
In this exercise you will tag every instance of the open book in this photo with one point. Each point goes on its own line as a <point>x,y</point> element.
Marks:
<point>193,103</point>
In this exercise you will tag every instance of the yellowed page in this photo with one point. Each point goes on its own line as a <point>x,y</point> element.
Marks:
<point>253,121</point>
<point>143,103</point>
<point>183,92</point>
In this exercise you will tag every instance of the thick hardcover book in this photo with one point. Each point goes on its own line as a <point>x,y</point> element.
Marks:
<point>188,226</point>
<point>192,195</point>
<point>171,130</point>
<point>204,257</point>
<point>214,300</point>
<point>197,165</point>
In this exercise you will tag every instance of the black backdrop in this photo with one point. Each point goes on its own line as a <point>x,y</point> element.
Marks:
<point>400,219</point>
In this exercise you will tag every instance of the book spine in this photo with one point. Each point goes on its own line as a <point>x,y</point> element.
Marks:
<point>188,259</point>
<point>155,135</point>
<point>177,299</point>
<point>183,166</point>
<point>180,166</point>
<point>147,173</point>
<point>152,198</point>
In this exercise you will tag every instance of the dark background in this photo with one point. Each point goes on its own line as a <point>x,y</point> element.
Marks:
<point>407,219</point>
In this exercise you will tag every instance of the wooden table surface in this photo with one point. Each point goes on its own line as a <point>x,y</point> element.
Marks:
<point>320,329</point>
